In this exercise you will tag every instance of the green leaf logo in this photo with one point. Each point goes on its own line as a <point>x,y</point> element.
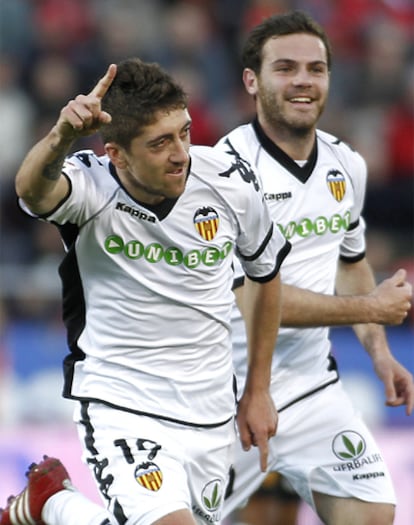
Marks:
<point>348,445</point>
<point>212,495</point>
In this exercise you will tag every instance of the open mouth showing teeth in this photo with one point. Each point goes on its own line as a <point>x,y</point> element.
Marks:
<point>175,172</point>
<point>305,100</point>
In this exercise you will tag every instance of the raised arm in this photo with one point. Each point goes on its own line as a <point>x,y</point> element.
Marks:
<point>257,416</point>
<point>39,181</point>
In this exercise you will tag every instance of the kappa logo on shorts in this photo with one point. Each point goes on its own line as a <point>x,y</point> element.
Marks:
<point>212,495</point>
<point>348,445</point>
<point>206,221</point>
<point>149,476</point>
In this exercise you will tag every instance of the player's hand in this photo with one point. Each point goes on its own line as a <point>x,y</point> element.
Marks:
<point>398,382</point>
<point>257,421</point>
<point>83,116</point>
<point>393,299</point>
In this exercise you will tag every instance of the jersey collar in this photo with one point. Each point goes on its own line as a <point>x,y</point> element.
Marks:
<point>162,209</point>
<point>301,173</point>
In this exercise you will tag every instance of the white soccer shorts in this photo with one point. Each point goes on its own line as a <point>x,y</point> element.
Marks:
<point>146,468</point>
<point>321,445</point>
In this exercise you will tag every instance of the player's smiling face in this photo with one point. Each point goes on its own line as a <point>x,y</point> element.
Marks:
<point>292,86</point>
<point>155,166</point>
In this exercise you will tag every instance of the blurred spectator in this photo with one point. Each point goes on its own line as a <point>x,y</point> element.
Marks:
<point>257,10</point>
<point>16,110</point>
<point>390,196</point>
<point>386,50</point>
<point>400,131</point>
<point>53,80</point>
<point>61,25</point>
<point>16,28</point>
<point>132,28</point>
<point>193,42</point>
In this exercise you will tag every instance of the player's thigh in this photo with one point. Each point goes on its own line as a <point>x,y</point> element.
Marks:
<point>149,469</point>
<point>275,503</point>
<point>352,511</point>
<point>181,517</point>
<point>210,456</point>
<point>245,478</point>
<point>324,446</point>
<point>136,463</point>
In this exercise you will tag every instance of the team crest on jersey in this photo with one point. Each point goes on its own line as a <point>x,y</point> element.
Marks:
<point>149,476</point>
<point>336,184</point>
<point>206,222</point>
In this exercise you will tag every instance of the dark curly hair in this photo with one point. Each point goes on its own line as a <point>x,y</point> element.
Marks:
<point>280,25</point>
<point>137,93</point>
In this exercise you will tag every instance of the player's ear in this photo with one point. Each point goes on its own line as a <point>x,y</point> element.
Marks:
<point>116,155</point>
<point>250,81</point>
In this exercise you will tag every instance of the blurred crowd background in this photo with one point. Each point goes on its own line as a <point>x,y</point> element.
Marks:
<point>51,50</point>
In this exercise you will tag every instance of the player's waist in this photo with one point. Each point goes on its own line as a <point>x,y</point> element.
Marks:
<point>205,399</point>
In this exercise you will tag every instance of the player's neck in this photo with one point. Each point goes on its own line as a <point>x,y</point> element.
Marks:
<point>297,144</point>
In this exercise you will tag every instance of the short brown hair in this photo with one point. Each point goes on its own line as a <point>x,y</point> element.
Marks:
<point>280,25</point>
<point>137,93</point>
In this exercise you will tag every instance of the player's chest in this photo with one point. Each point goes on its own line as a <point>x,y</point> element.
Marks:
<point>192,230</point>
<point>321,204</point>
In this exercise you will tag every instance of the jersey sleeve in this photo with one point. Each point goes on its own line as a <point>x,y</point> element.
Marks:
<point>353,246</point>
<point>261,245</point>
<point>85,172</point>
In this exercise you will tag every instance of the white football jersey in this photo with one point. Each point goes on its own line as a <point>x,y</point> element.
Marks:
<point>147,289</point>
<point>317,206</point>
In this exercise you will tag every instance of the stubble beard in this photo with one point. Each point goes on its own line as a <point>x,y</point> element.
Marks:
<point>282,123</point>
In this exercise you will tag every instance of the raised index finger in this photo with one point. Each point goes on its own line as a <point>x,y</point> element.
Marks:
<point>264,453</point>
<point>104,83</point>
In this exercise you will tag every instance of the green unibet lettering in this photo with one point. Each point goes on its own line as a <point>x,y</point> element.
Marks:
<point>192,259</point>
<point>210,256</point>
<point>321,225</point>
<point>134,249</point>
<point>336,223</point>
<point>347,220</point>
<point>305,228</point>
<point>289,231</point>
<point>173,256</point>
<point>226,249</point>
<point>114,244</point>
<point>154,252</point>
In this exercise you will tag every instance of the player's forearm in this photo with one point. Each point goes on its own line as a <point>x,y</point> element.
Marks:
<point>38,180</point>
<point>304,308</point>
<point>373,338</point>
<point>358,300</point>
<point>261,311</point>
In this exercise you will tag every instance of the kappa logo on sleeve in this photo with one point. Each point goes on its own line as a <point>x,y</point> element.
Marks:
<point>240,166</point>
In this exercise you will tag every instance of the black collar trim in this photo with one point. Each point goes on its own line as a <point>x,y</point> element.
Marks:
<point>162,209</point>
<point>301,173</point>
